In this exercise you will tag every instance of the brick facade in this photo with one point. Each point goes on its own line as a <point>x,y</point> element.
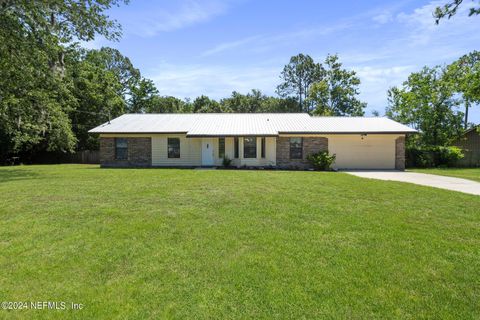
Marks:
<point>400,153</point>
<point>139,153</point>
<point>310,145</point>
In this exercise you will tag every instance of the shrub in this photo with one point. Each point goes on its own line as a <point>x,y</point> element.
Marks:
<point>433,156</point>
<point>448,156</point>
<point>419,157</point>
<point>321,160</point>
<point>226,161</point>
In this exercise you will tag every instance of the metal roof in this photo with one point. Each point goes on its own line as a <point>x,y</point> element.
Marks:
<point>357,125</point>
<point>241,124</point>
<point>237,124</point>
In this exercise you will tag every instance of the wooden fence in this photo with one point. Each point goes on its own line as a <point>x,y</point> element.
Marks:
<point>86,156</point>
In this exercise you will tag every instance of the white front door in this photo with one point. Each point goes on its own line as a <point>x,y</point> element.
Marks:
<point>207,151</point>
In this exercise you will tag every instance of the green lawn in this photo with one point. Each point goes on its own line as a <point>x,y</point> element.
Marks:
<point>163,243</point>
<point>465,173</point>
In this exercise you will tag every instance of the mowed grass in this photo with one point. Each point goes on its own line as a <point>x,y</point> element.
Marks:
<point>465,173</point>
<point>164,243</point>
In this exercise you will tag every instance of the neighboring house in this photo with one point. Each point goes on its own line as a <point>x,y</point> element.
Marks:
<point>281,140</point>
<point>470,144</point>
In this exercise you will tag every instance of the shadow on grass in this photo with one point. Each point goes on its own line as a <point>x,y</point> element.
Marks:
<point>9,174</point>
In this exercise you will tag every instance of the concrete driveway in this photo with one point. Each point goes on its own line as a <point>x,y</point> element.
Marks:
<point>431,180</point>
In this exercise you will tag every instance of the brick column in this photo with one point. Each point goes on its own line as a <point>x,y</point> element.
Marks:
<point>400,153</point>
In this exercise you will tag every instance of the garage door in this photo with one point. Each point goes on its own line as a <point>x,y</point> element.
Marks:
<point>363,152</point>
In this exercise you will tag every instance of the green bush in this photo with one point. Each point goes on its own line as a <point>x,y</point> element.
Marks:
<point>226,161</point>
<point>321,160</point>
<point>434,156</point>
<point>448,156</point>
<point>419,157</point>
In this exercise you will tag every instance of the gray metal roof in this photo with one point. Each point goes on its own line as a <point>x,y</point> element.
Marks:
<point>357,125</point>
<point>241,124</point>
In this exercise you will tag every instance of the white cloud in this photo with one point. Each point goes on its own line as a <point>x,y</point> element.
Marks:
<point>424,31</point>
<point>159,19</point>
<point>376,80</point>
<point>265,43</point>
<point>215,81</point>
<point>418,42</point>
<point>230,45</point>
<point>407,41</point>
<point>383,18</point>
<point>377,74</point>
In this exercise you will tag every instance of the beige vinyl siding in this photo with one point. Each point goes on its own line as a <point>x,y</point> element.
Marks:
<point>229,148</point>
<point>374,151</point>
<point>229,151</point>
<point>190,151</point>
<point>236,162</point>
<point>270,153</point>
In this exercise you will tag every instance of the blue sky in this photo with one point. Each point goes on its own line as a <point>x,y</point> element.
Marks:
<point>211,47</point>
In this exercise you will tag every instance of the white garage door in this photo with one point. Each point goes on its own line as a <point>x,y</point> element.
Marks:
<point>368,152</point>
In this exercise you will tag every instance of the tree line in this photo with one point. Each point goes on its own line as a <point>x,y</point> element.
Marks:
<point>436,101</point>
<point>52,91</point>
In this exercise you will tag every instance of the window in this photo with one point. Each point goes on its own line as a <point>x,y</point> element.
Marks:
<point>263,147</point>
<point>221,148</point>
<point>174,147</point>
<point>121,149</point>
<point>250,147</point>
<point>296,148</point>
<point>236,147</point>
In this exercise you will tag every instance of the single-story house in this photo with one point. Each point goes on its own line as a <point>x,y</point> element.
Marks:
<point>469,142</point>
<point>280,140</point>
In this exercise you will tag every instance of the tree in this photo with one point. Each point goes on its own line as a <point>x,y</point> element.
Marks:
<point>298,76</point>
<point>244,103</point>
<point>33,100</point>
<point>98,91</point>
<point>142,96</point>
<point>138,92</point>
<point>274,105</point>
<point>335,94</point>
<point>204,104</point>
<point>426,102</point>
<point>120,66</point>
<point>55,23</point>
<point>465,77</point>
<point>165,104</point>
<point>450,9</point>
<point>67,19</point>
<point>35,96</point>
<point>256,102</point>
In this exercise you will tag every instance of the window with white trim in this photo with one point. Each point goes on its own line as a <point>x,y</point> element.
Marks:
<point>173,147</point>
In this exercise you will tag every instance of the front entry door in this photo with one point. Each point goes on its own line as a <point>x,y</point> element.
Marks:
<point>207,151</point>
